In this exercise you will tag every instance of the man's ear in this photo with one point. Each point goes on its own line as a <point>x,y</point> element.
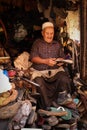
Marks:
<point>42,32</point>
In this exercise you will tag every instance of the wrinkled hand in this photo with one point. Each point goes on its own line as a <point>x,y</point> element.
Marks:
<point>51,61</point>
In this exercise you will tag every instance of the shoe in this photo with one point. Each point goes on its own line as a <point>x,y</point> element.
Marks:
<point>52,120</point>
<point>46,127</point>
<point>63,126</point>
<point>73,127</point>
<point>51,113</point>
<point>64,98</point>
<point>73,124</point>
<point>75,114</point>
<point>71,105</point>
<point>32,117</point>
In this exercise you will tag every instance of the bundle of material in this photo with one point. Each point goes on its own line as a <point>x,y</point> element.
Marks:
<point>22,61</point>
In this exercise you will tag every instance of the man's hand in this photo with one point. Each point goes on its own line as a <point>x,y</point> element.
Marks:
<point>51,61</point>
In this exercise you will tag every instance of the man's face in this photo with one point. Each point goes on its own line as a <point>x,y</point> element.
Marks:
<point>48,34</point>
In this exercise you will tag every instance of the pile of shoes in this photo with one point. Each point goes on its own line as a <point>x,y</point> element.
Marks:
<point>60,117</point>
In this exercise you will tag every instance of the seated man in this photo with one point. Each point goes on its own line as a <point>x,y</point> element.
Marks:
<point>50,75</point>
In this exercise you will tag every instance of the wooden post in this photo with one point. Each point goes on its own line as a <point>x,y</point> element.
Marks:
<point>83,52</point>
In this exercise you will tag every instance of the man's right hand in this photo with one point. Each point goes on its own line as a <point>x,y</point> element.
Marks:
<point>51,61</point>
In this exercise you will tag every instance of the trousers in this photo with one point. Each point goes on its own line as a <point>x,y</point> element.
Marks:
<point>50,87</point>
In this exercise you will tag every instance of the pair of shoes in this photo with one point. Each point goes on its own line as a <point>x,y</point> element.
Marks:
<point>64,98</point>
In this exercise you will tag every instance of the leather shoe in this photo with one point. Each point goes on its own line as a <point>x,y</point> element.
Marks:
<point>52,120</point>
<point>64,98</point>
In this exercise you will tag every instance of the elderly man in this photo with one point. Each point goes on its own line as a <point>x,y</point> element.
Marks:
<point>47,72</point>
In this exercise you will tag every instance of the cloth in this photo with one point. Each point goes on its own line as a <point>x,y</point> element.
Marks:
<point>45,73</point>
<point>22,61</point>
<point>44,50</point>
